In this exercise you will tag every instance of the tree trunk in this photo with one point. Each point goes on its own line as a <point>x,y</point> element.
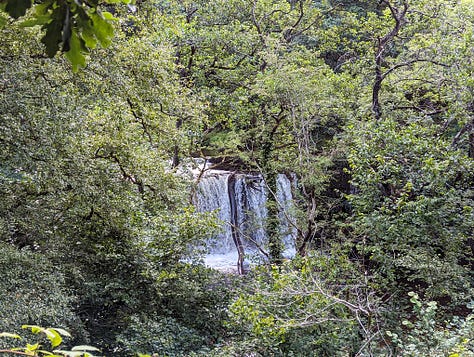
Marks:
<point>272,225</point>
<point>235,224</point>
<point>398,15</point>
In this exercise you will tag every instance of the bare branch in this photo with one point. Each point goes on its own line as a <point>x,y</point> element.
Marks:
<point>409,63</point>
<point>141,121</point>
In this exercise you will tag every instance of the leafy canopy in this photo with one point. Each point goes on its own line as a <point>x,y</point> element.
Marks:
<point>70,26</point>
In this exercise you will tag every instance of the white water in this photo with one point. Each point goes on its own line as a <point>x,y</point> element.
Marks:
<point>213,195</point>
<point>250,197</point>
<point>287,219</point>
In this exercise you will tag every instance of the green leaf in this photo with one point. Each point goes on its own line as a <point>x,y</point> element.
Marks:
<point>85,348</point>
<point>102,29</point>
<point>53,35</point>
<point>86,30</point>
<point>17,8</point>
<point>54,337</point>
<point>73,353</point>
<point>74,55</point>
<point>42,9</point>
<point>89,37</point>
<point>51,333</point>
<point>32,347</point>
<point>108,16</point>
<point>89,40</point>
<point>37,20</point>
<point>12,335</point>
<point>61,331</point>
<point>33,328</point>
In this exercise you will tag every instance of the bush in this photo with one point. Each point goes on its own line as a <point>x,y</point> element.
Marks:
<point>425,335</point>
<point>33,292</point>
<point>161,335</point>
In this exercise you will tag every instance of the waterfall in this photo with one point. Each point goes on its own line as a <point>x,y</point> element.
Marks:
<point>212,195</point>
<point>240,202</point>
<point>286,217</point>
<point>251,197</point>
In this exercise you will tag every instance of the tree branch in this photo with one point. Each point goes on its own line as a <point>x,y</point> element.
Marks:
<point>398,16</point>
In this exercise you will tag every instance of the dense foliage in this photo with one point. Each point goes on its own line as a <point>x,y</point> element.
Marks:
<point>370,105</point>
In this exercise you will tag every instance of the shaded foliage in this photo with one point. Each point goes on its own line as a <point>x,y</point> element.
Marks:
<point>367,106</point>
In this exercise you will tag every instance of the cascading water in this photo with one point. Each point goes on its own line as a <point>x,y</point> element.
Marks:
<point>251,197</point>
<point>287,220</point>
<point>212,195</point>
<point>240,200</point>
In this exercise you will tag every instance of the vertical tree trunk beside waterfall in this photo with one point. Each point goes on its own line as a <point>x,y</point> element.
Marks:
<point>272,224</point>
<point>235,225</point>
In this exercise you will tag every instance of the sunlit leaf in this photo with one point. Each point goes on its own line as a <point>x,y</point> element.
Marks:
<point>108,16</point>
<point>35,21</point>
<point>85,348</point>
<point>7,334</point>
<point>73,353</point>
<point>33,328</point>
<point>54,337</point>
<point>61,331</point>
<point>32,347</point>
<point>42,9</point>
<point>74,55</point>
<point>102,30</point>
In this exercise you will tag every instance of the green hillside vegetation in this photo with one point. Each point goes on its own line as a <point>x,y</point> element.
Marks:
<point>103,106</point>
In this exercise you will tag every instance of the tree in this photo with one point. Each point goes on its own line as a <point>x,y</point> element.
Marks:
<point>72,27</point>
<point>410,181</point>
<point>86,182</point>
<point>367,106</point>
<point>262,94</point>
<point>411,203</point>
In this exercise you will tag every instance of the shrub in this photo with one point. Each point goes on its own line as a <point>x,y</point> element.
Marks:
<point>33,292</point>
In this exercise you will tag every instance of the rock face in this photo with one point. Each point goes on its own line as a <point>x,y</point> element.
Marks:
<point>240,201</point>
